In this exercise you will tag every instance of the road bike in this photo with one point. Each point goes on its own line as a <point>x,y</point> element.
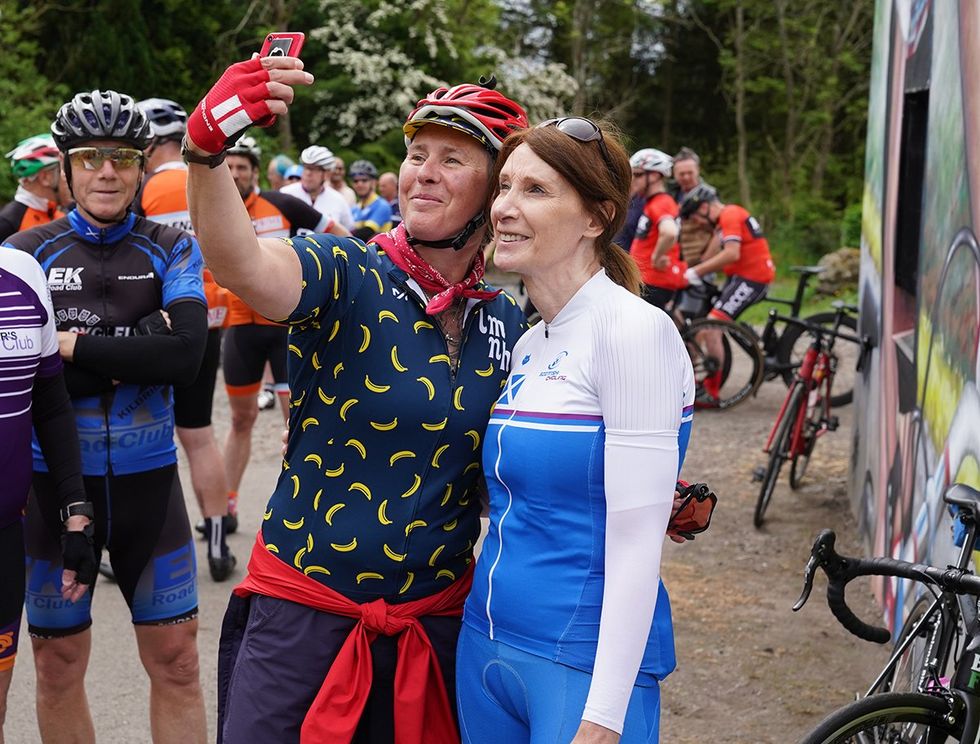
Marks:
<point>929,691</point>
<point>805,415</point>
<point>748,359</point>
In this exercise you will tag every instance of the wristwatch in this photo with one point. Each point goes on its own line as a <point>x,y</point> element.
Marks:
<point>77,509</point>
<point>189,156</point>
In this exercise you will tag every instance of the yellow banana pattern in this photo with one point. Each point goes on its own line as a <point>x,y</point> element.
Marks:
<point>385,390</point>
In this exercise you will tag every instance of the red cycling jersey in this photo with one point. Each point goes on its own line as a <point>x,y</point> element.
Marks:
<point>659,207</point>
<point>755,261</point>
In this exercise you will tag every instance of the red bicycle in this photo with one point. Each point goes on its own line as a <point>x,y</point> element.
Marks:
<point>805,414</point>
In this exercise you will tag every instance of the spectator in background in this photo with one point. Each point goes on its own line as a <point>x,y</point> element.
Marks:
<point>293,174</point>
<point>318,163</point>
<point>276,171</point>
<point>372,214</point>
<point>388,188</point>
<point>694,237</point>
<point>338,182</point>
<point>34,162</point>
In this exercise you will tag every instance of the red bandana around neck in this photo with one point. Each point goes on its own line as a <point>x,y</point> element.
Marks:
<point>395,245</point>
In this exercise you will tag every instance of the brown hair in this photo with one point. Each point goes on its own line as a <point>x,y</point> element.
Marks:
<point>600,185</point>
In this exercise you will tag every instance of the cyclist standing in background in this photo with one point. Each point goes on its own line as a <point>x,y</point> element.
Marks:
<point>32,392</point>
<point>655,248</point>
<point>317,163</point>
<point>338,181</point>
<point>34,162</point>
<point>163,198</point>
<point>372,214</point>
<point>275,172</point>
<point>694,238</point>
<point>398,351</point>
<point>111,275</point>
<point>744,257</point>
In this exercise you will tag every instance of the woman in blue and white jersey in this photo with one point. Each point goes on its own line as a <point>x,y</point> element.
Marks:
<point>567,632</point>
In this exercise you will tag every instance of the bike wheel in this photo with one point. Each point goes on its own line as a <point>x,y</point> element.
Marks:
<point>800,461</point>
<point>890,717</point>
<point>793,345</point>
<point>778,452</point>
<point>922,644</point>
<point>737,374</point>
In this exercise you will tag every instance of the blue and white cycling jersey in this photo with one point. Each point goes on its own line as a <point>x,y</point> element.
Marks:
<point>539,580</point>
<point>102,282</point>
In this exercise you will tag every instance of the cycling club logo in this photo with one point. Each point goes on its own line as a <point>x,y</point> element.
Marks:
<point>553,373</point>
<point>513,386</point>
<point>63,279</point>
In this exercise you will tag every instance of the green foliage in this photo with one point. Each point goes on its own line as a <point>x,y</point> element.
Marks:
<point>668,72</point>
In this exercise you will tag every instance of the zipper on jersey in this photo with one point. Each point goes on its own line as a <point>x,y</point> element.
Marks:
<point>500,525</point>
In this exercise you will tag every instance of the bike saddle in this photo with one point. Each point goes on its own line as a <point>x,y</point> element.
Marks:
<point>847,307</point>
<point>808,269</point>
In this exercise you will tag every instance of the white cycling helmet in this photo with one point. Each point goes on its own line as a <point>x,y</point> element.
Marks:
<point>167,118</point>
<point>318,156</point>
<point>649,159</point>
<point>247,147</point>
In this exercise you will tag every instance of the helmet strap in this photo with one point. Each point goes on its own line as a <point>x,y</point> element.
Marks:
<point>457,242</point>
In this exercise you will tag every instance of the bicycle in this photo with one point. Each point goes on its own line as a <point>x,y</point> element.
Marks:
<point>805,414</point>
<point>748,360</point>
<point>938,708</point>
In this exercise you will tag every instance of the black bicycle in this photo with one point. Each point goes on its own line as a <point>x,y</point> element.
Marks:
<point>929,691</point>
<point>748,359</point>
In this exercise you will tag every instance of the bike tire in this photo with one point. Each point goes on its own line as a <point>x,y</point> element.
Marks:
<point>889,717</point>
<point>801,461</point>
<point>793,345</point>
<point>742,366</point>
<point>777,453</point>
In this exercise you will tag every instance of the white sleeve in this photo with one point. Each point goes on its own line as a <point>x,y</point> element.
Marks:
<point>640,377</point>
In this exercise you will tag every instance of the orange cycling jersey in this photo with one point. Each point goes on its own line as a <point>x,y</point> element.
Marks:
<point>164,199</point>
<point>755,261</point>
<point>274,215</point>
<point>659,207</point>
<point>26,211</point>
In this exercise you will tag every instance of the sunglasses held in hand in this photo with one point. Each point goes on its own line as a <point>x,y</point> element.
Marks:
<point>93,158</point>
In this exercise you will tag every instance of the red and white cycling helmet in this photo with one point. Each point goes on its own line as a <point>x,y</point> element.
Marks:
<point>475,109</point>
<point>32,155</point>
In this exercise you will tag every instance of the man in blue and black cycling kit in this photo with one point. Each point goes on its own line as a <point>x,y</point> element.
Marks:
<point>131,316</point>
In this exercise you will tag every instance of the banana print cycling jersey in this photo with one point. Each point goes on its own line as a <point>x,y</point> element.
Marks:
<point>378,493</point>
<point>538,585</point>
<point>102,281</point>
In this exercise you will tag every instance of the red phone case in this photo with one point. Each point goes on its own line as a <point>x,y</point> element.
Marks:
<point>286,44</point>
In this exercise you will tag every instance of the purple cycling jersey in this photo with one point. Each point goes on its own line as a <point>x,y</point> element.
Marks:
<point>28,349</point>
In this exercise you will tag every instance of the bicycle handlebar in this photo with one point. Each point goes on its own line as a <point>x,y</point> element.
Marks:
<point>840,570</point>
<point>864,342</point>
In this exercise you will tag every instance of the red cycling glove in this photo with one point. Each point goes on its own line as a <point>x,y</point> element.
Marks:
<point>237,101</point>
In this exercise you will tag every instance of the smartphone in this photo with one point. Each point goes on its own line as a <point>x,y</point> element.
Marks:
<point>286,44</point>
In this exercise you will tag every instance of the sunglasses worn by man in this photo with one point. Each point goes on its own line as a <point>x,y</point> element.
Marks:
<point>93,158</point>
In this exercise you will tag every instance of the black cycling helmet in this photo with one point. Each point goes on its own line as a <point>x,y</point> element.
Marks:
<point>100,115</point>
<point>362,168</point>
<point>700,194</point>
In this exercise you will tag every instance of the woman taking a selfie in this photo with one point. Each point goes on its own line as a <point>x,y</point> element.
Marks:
<point>567,631</point>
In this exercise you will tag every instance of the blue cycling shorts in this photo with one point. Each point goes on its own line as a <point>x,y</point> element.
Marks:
<point>501,690</point>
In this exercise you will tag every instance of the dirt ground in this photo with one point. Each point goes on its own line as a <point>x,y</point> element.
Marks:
<point>749,670</point>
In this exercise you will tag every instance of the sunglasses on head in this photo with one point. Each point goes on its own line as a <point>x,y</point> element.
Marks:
<point>93,158</point>
<point>583,130</point>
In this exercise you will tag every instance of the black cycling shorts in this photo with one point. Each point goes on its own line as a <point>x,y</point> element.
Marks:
<point>193,404</point>
<point>141,520</point>
<point>657,296</point>
<point>12,596</point>
<point>737,296</point>
<point>246,349</point>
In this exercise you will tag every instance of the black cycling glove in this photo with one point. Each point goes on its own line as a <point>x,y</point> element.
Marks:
<point>153,324</point>
<point>78,555</point>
